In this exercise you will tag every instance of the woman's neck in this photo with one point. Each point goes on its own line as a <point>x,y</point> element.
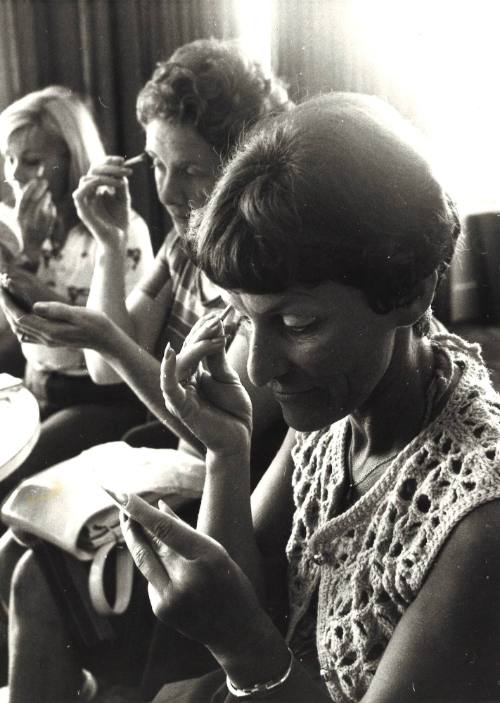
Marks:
<point>396,410</point>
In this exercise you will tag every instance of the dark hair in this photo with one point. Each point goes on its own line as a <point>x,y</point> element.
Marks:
<point>213,86</point>
<point>337,189</point>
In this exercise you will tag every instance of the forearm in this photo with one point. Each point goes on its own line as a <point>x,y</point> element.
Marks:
<point>225,511</point>
<point>107,295</point>
<point>107,290</point>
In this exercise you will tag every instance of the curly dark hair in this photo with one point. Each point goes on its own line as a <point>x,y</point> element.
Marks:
<point>337,189</point>
<point>213,86</point>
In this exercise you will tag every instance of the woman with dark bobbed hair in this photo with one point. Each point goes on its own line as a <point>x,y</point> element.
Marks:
<point>194,109</point>
<point>366,567</point>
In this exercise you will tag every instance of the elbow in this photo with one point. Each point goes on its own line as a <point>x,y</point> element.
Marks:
<point>100,372</point>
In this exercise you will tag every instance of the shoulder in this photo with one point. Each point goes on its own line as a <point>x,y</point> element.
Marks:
<point>464,580</point>
<point>445,646</point>
<point>475,540</point>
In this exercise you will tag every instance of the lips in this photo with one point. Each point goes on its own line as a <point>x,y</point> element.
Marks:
<point>290,395</point>
<point>178,215</point>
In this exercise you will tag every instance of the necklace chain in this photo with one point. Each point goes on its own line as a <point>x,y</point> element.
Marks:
<point>354,484</point>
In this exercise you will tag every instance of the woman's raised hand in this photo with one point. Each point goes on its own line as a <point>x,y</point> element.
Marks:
<point>194,585</point>
<point>208,396</point>
<point>102,200</point>
<point>36,215</point>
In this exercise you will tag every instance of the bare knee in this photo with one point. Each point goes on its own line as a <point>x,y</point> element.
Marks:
<point>29,592</point>
<point>10,553</point>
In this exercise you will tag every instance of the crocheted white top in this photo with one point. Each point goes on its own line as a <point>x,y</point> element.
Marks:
<point>366,565</point>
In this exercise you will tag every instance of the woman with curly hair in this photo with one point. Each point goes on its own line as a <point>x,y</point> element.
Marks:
<point>194,110</point>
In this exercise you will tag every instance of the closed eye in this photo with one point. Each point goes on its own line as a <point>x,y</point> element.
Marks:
<point>196,171</point>
<point>298,324</point>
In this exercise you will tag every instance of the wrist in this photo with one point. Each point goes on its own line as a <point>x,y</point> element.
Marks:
<point>238,456</point>
<point>264,659</point>
<point>112,242</point>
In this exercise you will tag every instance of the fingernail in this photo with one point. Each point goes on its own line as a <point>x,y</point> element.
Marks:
<point>168,351</point>
<point>121,498</point>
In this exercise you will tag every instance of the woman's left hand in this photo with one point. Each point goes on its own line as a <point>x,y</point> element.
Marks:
<point>194,585</point>
<point>212,403</point>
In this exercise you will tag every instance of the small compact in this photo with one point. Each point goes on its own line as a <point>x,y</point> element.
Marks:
<point>15,296</point>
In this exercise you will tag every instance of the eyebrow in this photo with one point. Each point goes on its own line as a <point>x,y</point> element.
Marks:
<point>182,164</point>
<point>280,308</point>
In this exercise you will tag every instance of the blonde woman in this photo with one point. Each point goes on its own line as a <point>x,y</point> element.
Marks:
<point>48,140</point>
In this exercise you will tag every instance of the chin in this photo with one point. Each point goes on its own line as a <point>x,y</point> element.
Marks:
<point>180,227</point>
<point>308,420</point>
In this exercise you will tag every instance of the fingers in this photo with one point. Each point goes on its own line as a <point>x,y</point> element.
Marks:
<point>189,359</point>
<point>111,165</point>
<point>92,186</point>
<point>109,174</point>
<point>30,328</point>
<point>58,311</point>
<point>167,528</point>
<point>44,214</point>
<point>165,508</point>
<point>143,554</point>
<point>205,338</point>
<point>207,327</point>
<point>32,192</point>
<point>173,392</point>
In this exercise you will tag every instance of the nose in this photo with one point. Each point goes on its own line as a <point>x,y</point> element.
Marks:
<point>169,189</point>
<point>14,171</point>
<point>22,173</point>
<point>267,359</point>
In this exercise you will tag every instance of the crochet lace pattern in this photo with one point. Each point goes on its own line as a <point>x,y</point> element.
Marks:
<point>367,564</point>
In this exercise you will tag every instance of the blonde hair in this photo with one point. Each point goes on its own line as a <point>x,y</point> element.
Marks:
<point>59,112</point>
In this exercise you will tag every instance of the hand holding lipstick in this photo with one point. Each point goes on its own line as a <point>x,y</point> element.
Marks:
<point>102,199</point>
<point>202,390</point>
<point>194,585</point>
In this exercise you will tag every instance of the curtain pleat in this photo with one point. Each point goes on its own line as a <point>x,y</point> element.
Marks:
<point>315,51</point>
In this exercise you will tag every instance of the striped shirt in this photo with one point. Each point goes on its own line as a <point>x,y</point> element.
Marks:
<point>192,295</point>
